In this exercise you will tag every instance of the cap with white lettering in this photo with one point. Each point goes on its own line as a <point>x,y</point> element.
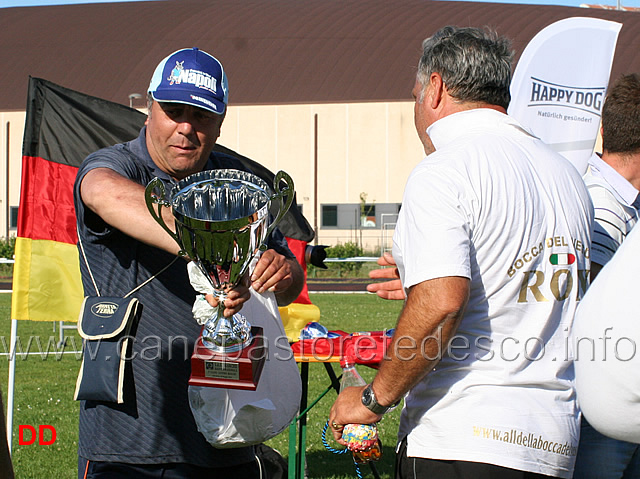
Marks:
<point>192,77</point>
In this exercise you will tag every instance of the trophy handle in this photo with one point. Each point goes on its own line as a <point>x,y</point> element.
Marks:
<point>279,193</point>
<point>152,200</point>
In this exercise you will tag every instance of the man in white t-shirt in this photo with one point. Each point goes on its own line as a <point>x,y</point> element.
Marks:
<point>613,181</point>
<point>492,247</point>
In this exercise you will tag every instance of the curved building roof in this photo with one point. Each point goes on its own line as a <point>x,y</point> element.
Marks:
<point>274,51</point>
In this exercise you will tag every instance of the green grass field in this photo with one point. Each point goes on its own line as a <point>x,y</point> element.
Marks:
<point>45,384</point>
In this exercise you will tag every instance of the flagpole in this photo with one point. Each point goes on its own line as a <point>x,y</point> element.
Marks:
<point>7,199</point>
<point>12,381</point>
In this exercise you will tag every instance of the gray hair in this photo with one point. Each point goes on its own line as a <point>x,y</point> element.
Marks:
<point>475,64</point>
<point>150,101</point>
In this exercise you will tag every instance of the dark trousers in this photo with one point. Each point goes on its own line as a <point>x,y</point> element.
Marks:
<point>116,470</point>
<point>421,468</point>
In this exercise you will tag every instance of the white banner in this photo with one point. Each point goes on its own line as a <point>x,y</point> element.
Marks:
<point>560,81</point>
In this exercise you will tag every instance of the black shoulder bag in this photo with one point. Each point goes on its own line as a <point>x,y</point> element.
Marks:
<point>105,324</point>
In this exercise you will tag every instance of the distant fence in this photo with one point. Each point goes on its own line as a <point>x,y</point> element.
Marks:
<point>340,261</point>
<point>355,259</point>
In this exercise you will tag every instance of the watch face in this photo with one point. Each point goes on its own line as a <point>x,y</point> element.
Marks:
<point>367,398</point>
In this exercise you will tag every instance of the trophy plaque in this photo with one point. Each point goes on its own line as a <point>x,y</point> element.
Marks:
<point>222,221</point>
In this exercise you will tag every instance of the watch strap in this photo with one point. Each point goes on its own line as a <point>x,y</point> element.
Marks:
<point>371,403</point>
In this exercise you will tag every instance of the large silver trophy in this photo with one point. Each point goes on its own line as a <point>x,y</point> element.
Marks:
<point>222,220</point>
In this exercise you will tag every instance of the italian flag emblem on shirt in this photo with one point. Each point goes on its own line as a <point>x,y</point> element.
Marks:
<point>562,259</point>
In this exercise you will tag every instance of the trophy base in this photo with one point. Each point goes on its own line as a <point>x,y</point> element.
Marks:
<point>237,370</point>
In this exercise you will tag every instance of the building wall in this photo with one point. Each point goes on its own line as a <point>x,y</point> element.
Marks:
<point>362,149</point>
<point>11,131</point>
<point>365,149</point>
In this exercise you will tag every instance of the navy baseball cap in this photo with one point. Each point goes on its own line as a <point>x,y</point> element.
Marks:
<point>193,77</point>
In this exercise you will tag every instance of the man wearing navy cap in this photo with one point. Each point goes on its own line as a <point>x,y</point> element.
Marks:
<point>153,433</point>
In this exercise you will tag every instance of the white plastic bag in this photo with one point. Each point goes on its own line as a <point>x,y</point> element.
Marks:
<point>235,418</point>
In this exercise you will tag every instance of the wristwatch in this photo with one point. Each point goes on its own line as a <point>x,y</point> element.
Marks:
<point>369,401</point>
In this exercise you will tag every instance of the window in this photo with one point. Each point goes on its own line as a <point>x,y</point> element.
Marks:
<point>330,215</point>
<point>13,222</point>
<point>368,216</point>
<point>355,216</point>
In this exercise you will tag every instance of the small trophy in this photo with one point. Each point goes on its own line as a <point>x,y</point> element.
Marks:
<point>222,221</point>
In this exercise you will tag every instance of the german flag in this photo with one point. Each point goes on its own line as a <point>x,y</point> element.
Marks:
<point>62,127</point>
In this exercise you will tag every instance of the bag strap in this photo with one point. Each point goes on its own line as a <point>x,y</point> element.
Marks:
<point>84,256</point>
<point>95,285</point>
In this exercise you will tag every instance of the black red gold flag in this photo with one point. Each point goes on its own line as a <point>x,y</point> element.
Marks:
<point>62,127</point>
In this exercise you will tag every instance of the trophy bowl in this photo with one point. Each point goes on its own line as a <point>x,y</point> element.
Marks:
<point>222,221</point>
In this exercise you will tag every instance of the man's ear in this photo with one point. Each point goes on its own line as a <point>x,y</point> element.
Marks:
<point>437,90</point>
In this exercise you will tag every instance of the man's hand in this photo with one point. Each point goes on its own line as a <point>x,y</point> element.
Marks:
<point>348,409</point>
<point>283,276</point>
<point>273,272</point>
<point>234,300</point>
<point>391,289</point>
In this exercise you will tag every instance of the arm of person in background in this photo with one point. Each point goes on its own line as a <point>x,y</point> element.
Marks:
<point>391,289</point>
<point>433,309</point>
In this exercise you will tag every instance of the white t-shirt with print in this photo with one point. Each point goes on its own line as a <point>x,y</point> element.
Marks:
<point>495,205</point>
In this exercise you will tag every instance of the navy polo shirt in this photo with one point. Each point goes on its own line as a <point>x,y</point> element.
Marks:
<point>155,424</point>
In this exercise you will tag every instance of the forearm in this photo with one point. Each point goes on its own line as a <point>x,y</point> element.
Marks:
<point>428,321</point>
<point>433,308</point>
<point>121,204</point>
